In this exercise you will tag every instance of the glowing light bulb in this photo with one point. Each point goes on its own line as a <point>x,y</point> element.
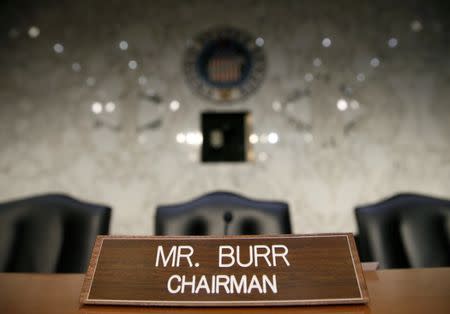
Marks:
<point>123,45</point>
<point>276,106</point>
<point>181,138</point>
<point>76,67</point>
<point>392,42</point>
<point>194,138</point>
<point>342,104</point>
<point>326,42</point>
<point>110,106</point>
<point>58,48</point>
<point>374,62</point>
<point>34,31</point>
<point>132,64</point>
<point>253,138</point>
<point>259,41</point>
<point>97,107</point>
<point>309,77</point>
<point>416,26</point>
<point>174,105</point>
<point>317,62</point>
<point>272,138</point>
<point>361,77</point>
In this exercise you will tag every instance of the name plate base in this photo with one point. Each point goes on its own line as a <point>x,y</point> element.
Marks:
<point>225,271</point>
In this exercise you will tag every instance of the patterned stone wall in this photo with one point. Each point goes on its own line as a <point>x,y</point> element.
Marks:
<point>359,117</point>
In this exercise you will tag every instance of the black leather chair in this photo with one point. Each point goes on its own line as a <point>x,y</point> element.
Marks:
<point>406,230</point>
<point>49,233</point>
<point>220,213</point>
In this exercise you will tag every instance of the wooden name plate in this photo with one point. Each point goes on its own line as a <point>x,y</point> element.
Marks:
<point>225,271</point>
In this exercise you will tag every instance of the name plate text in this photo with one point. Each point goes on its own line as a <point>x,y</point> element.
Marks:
<point>225,271</point>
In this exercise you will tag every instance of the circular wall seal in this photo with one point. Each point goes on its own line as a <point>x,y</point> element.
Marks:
<point>225,64</point>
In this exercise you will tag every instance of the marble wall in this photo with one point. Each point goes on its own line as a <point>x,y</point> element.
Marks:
<point>388,66</point>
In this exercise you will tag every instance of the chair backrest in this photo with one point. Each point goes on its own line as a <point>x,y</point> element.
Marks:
<point>406,230</point>
<point>205,216</point>
<point>49,233</point>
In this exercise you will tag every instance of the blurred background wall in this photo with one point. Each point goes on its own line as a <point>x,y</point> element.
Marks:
<point>94,103</point>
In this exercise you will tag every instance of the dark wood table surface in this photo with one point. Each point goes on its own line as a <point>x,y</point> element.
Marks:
<point>390,291</point>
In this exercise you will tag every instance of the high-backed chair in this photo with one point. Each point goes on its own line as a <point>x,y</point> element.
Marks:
<point>220,213</point>
<point>49,233</point>
<point>406,230</point>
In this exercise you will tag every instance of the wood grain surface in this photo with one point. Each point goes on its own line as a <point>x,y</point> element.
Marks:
<point>399,291</point>
<point>323,269</point>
